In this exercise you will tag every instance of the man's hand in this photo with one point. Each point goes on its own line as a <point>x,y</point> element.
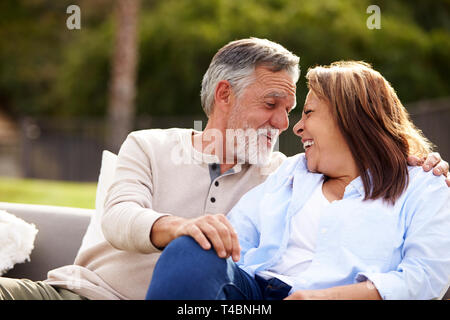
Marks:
<point>206,230</point>
<point>433,161</point>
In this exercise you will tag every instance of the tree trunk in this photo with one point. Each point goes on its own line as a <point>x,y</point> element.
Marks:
<point>121,109</point>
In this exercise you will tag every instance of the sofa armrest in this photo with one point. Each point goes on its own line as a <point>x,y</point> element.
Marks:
<point>61,230</point>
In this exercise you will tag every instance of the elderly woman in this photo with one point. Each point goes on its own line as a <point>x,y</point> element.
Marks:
<point>348,219</point>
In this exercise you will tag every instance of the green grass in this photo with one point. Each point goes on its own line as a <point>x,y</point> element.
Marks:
<point>57,193</point>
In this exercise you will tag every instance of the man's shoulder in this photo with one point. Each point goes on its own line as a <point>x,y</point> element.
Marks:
<point>160,133</point>
<point>160,137</point>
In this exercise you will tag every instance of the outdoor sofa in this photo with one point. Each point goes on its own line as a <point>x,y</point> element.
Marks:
<point>62,229</point>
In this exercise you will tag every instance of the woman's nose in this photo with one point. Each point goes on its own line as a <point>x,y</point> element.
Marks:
<point>298,128</point>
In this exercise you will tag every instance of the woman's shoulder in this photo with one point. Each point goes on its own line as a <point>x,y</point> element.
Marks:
<point>425,189</point>
<point>292,164</point>
<point>419,178</point>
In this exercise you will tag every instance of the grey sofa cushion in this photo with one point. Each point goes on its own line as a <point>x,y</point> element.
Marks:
<point>61,230</point>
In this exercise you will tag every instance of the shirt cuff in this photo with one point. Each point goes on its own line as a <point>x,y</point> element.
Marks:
<point>142,225</point>
<point>380,282</point>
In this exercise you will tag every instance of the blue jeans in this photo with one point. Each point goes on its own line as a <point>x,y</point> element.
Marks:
<point>185,271</point>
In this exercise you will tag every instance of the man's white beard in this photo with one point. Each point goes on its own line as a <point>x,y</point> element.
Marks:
<point>253,149</point>
<point>248,145</point>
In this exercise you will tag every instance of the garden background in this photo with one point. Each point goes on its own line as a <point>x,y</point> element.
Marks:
<point>67,94</point>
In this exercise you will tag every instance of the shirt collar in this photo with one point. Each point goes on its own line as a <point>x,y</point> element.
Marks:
<point>355,186</point>
<point>199,157</point>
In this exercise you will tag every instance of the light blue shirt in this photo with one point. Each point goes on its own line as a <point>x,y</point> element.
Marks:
<point>404,249</point>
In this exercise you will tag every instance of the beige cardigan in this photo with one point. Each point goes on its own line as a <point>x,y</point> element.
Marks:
<point>158,173</point>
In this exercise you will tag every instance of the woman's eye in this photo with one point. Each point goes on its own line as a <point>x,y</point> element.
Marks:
<point>307,111</point>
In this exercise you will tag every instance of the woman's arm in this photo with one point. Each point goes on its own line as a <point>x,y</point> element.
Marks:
<point>423,273</point>
<point>359,291</point>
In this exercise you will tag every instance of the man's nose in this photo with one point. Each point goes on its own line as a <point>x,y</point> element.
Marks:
<point>280,120</point>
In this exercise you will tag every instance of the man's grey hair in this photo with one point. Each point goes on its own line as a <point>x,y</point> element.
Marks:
<point>236,63</point>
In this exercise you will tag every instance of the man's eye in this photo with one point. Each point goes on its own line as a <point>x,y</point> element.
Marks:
<point>270,105</point>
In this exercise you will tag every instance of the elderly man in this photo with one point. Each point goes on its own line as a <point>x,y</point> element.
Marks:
<point>175,182</point>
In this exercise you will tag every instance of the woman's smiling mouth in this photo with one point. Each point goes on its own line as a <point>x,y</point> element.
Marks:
<point>307,143</point>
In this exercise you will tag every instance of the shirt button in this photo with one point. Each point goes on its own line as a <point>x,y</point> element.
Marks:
<point>216,183</point>
<point>213,199</point>
<point>323,231</point>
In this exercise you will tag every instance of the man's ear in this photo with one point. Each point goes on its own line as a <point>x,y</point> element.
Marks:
<point>223,96</point>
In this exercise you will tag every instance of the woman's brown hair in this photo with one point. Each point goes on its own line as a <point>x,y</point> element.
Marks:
<point>374,123</point>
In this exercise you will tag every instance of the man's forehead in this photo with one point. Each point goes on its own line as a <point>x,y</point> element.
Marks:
<point>277,94</point>
<point>276,87</point>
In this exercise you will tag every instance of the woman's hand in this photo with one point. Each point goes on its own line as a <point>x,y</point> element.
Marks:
<point>433,161</point>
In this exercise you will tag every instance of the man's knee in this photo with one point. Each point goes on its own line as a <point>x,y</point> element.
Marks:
<point>24,289</point>
<point>19,289</point>
<point>6,288</point>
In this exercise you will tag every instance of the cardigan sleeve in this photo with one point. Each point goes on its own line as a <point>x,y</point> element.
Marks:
<point>128,215</point>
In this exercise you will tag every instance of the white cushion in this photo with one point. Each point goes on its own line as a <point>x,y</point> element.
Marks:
<point>94,234</point>
<point>16,240</point>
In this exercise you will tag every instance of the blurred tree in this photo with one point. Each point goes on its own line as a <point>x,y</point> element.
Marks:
<point>46,69</point>
<point>121,109</point>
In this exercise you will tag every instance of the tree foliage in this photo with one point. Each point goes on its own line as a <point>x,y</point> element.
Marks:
<point>46,69</point>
